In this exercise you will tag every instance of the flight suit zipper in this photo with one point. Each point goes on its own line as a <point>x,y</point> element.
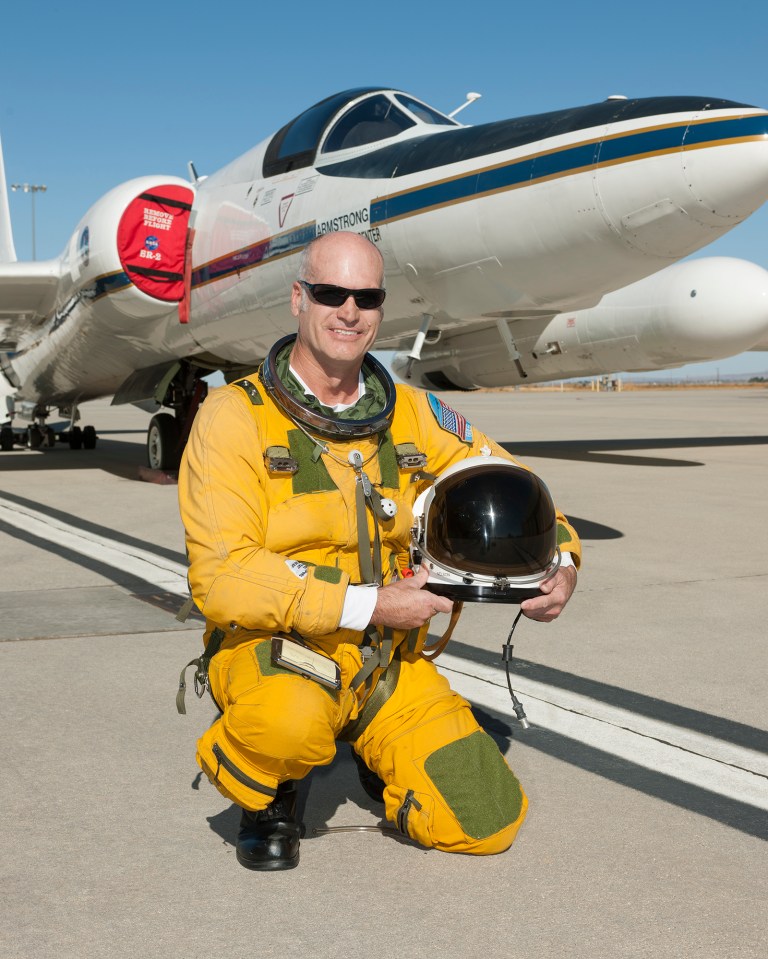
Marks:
<point>402,814</point>
<point>223,760</point>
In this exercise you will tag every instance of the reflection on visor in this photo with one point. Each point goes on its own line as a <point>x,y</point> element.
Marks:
<point>492,522</point>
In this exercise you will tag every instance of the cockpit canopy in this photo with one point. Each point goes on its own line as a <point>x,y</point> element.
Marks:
<point>349,121</point>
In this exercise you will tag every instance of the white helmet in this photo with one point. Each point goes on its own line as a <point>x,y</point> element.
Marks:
<point>486,531</point>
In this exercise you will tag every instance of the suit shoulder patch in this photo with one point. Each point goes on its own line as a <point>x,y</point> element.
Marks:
<point>449,419</point>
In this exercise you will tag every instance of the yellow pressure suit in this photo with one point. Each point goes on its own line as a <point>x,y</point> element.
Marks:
<point>271,553</point>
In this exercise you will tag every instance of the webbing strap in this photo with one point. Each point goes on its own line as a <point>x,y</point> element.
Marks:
<point>185,609</point>
<point>411,639</point>
<point>363,536</point>
<point>377,570</point>
<point>378,657</point>
<point>381,693</point>
<point>201,664</point>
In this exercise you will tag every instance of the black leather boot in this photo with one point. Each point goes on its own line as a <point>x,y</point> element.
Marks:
<point>370,782</point>
<point>269,838</point>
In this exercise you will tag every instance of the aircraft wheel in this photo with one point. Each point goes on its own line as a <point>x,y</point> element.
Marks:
<point>34,437</point>
<point>75,438</point>
<point>163,435</point>
<point>49,437</point>
<point>6,439</point>
<point>89,438</point>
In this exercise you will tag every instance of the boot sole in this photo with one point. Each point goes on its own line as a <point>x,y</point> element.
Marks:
<point>268,865</point>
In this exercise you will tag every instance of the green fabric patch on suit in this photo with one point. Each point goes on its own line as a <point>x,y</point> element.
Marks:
<point>327,574</point>
<point>390,474</point>
<point>312,475</point>
<point>263,654</point>
<point>253,394</point>
<point>563,535</point>
<point>479,787</point>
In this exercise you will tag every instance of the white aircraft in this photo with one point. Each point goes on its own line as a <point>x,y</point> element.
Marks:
<point>492,237</point>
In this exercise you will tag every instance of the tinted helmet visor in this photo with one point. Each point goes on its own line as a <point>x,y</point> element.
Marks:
<point>492,521</point>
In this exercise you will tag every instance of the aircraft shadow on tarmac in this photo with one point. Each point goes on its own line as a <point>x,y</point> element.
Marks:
<point>126,459</point>
<point>610,451</point>
<point>117,457</point>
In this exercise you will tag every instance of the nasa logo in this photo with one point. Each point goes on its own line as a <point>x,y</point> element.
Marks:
<point>151,243</point>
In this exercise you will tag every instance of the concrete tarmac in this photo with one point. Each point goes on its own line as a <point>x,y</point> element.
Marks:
<point>646,763</point>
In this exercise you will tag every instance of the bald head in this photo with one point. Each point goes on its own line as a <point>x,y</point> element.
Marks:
<point>333,252</point>
<point>332,340</point>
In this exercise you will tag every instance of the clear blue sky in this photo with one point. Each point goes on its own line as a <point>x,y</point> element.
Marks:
<point>96,93</point>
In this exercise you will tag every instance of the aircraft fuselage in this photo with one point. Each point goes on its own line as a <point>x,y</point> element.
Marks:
<point>489,232</point>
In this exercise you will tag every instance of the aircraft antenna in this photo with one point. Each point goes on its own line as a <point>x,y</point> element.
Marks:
<point>194,178</point>
<point>471,97</point>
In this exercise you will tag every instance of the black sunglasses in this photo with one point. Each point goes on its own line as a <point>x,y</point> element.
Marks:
<point>329,295</point>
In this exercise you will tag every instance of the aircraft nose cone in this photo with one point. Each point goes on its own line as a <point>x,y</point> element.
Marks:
<point>725,166</point>
<point>699,179</point>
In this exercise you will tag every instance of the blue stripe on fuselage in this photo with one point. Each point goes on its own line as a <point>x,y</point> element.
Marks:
<point>620,148</point>
<point>108,283</point>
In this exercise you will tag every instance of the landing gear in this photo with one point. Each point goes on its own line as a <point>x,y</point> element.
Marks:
<point>38,436</point>
<point>167,434</point>
<point>89,438</point>
<point>77,437</point>
<point>164,446</point>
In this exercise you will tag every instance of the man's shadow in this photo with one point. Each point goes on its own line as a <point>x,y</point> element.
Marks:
<point>328,788</point>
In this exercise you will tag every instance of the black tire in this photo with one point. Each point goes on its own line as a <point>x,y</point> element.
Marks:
<point>49,437</point>
<point>6,439</point>
<point>34,438</point>
<point>89,438</point>
<point>75,438</point>
<point>163,452</point>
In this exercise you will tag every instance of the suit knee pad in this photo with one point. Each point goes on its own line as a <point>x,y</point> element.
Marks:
<point>448,785</point>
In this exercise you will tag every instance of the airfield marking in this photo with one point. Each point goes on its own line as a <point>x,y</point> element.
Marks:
<point>705,761</point>
<point>154,569</point>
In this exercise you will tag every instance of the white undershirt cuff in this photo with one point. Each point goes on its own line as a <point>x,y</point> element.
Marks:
<point>359,604</point>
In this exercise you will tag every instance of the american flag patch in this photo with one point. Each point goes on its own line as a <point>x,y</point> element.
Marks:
<point>450,420</point>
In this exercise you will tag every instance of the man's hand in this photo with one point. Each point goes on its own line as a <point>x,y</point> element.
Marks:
<point>557,591</point>
<point>406,604</point>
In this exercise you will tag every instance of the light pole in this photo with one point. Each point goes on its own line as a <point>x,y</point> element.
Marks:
<point>31,188</point>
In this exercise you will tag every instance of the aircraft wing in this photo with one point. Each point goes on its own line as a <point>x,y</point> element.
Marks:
<point>391,338</point>
<point>27,295</point>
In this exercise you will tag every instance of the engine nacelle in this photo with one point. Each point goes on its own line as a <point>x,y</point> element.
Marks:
<point>691,312</point>
<point>131,246</point>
